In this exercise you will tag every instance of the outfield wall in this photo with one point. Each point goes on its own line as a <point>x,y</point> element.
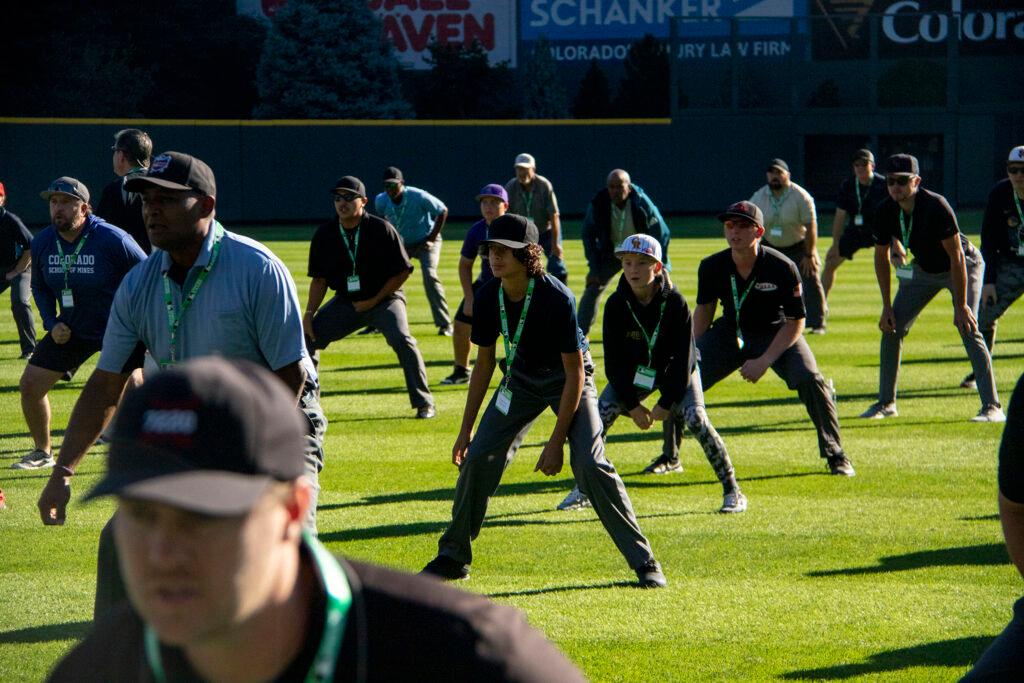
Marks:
<point>281,170</point>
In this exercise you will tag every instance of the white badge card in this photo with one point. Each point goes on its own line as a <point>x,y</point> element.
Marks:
<point>504,400</point>
<point>776,231</point>
<point>1020,248</point>
<point>644,377</point>
<point>858,219</point>
<point>905,272</point>
<point>66,299</point>
<point>739,340</point>
<point>352,283</point>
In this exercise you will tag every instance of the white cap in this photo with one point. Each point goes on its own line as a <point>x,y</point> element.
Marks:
<point>1016,154</point>
<point>640,244</point>
<point>525,159</point>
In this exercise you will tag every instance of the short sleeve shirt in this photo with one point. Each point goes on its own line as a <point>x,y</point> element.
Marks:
<point>15,239</point>
<point>414,216</point>
<point>773,291</point>
<point>786,218</point>
<point>380,255</point>
<point>1002,229</point>
<point>538,204</point>
<point>247,308</point>
<point>856,199</point>
<point>549,331</point>
<point>932,221</point>
<point>473,247</point>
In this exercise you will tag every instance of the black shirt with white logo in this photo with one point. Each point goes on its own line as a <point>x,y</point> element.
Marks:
<point>932,221</point>
<point>870,197</point>
<point>774,291</point>
<point>380,255</point>
<point>1002,231</point>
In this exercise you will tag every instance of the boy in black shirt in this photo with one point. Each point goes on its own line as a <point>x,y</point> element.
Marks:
<point>15,265</point>
<point>943,259</point>
<point>761,324</point>
<point>547,365</point>
<point>361,257</point>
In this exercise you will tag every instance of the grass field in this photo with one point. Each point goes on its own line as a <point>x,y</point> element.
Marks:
<point>897,574</point>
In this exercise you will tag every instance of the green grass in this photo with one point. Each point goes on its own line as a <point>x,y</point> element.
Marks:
<point>897,574</point>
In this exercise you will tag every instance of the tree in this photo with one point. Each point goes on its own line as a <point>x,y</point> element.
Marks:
<point>644,88</point>
<point>543,94</point>
<point>326,59</point>
<point>462,84</point>
<point>593,101</point>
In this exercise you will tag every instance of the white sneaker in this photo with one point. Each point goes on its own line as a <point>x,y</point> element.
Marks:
<point>733,502</point>
<point>879,410</point>
<point>37,459</point>
<point>576,500</point>
<point>990,413</point>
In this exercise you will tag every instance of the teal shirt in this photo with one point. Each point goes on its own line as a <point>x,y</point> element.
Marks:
<point>413,217</point>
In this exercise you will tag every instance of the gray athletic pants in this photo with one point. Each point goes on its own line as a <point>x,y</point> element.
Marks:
<point>429,254</point>
<point>1009,287</point>
<point>491,451</point>
<point>720,356</point>
<point>337,319</point>
<point>911,298</point>
<point>689,414</point>
<point>1004,658</point>
<point>110,588</point>
<point>813,291</point>
<point>21,308</point>
<point>587,310</point>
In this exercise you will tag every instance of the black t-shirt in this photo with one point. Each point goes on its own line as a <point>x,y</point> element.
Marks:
<point>932,221</point>
<point>15,239</point>
<point>124,209</point>
<point>774,295</point>
<point>870,197</point>
<point>1002,231</point>
<point>549,331</point>
<point>380,256</point>
<point>1011,451</point>
<point>410,628</point>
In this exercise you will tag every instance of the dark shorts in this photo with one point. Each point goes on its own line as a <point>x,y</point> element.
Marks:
<point>459,315</point>
<point>854,239</point>
<point>50,355</point>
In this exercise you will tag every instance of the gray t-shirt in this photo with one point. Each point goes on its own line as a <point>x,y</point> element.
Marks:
<point>539,204</point>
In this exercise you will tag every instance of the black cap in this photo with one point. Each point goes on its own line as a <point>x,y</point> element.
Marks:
<point>208,436</point>
<point>744,209</point>
<point>350,183</point>
<point>778,163</point>
<point>69,186</point>
<point>393,175</point>
<point>175,171</point>
<point>512,231</point>
<point>864,155</point>
<point>902,164</point>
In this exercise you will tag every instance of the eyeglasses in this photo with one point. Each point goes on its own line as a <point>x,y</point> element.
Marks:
<point>1015,170</point>
<point>345,196</point>
<point>900,180</point>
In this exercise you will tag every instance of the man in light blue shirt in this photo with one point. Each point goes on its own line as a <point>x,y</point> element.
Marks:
<point>419,217</point>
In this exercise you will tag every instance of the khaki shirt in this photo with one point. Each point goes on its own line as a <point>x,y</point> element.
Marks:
<point>785,219</point>
<point>539,204</point>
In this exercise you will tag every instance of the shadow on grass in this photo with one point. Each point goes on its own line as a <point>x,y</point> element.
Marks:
<point>957,652</point>
<point>565,589</point>
<point>71,630</point>
<point>388,366</point>
<point>994,517</point>
<point>964,360</point>
<point>970,555</point>
<point>362,391</point>
<point>26,435</point>
<point>646,481</point>
<point>518,488</point>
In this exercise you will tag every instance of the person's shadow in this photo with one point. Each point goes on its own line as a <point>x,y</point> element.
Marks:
<point>954,653</point>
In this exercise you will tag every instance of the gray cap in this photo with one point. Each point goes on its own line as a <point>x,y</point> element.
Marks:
<point>69,186</point>
<point>526,160</point>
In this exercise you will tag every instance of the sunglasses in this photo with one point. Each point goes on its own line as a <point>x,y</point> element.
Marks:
<point>739,224</point>
<point>900,180</point>
<point>1015,170</point>
<point>345,196</point>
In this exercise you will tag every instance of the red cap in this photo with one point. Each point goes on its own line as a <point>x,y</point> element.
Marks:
<point>3,192</point>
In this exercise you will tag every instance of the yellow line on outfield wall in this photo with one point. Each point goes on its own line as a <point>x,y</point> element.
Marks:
<point>333,122</point>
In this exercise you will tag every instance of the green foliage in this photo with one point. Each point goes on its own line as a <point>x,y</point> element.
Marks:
<point>543,93</point>
<point>644,88</point>
<point>462,84</point>
<point>593,101</point>
<point>325,59</point>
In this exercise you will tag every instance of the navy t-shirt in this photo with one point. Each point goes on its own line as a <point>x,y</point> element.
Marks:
<point>1002,231</point>
<point>380,255</point>
<point>932,221</point>
<point>15,239</point>
<point>549,331</point>
<point>473,246</point>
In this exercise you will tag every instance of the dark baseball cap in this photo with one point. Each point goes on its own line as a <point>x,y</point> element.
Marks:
<point>902,164</point>
<point>864,155</point>
<point>69,186</point>
<point>493,190</point>
<point>175,171</point>
<point>744,209</point>
<point>208,436</point>
<point>393,175</point>
<point>778,163</point>
<point>350,183</point>
<point>512,231</point>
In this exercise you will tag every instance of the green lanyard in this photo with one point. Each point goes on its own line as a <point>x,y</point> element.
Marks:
<point>528,198</point>
<point>1020,213</point>
<point>398,216</point>
<point>66,263</point>
<point>339,601</point>
<point>653,338</point>
<point>738,300</point>
<point>513,346</point>
<point>777,205</point>
<point>622,218</point>
<point>906,225</point>
<point>856,191</point>
<point>351,249</point>
<point>174,316</point>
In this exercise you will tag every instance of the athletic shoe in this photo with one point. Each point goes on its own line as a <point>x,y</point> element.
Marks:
<point>733,502</point>
<point>26,355</point>
<point>68,375</point>
<point>34,460</point>
<point>444,331</point>
<point>369,329</point>
<point>816,330</point>
<point>101,440</point>
<point>425,412</point>
<point>879,410</point>
<point>664,464</point>
<point>459,376</point>
<point>446,568</point>
<point>649,575</point>
<point>841,465</point>
<point>576,500</point>
<point>990,413</point>
<point>968,382</point>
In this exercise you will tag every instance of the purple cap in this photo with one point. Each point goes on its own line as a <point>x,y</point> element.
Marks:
<point>493,190</point>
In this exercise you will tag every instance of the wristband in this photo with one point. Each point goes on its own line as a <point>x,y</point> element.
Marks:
<point>68,472</point>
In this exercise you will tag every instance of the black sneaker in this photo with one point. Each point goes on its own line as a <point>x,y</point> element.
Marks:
<point>369,329</point>
<point>425,413</point>
<point>459,375</point>
<point>448,569</point>
<point>649,575</point>
<point>968,382</point>
<point>841,465</point>
<point>664,464</point>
